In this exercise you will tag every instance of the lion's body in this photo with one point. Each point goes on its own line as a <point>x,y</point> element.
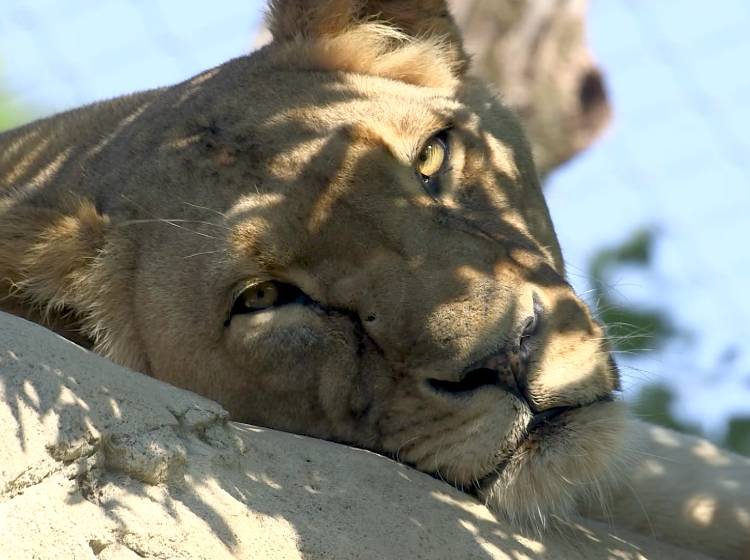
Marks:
<point>431,324</point>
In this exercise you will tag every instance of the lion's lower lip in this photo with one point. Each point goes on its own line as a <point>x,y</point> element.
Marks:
<point>537,422</point>
<point>546,415</point>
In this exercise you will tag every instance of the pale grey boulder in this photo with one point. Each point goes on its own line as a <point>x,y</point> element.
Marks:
<point>100,462</point>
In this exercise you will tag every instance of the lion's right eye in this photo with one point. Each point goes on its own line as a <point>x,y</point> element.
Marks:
<point>265,295</point>
<point>432,157</point>
<point>432,162</point>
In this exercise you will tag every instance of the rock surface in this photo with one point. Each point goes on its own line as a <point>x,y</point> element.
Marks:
<point>100,462</point>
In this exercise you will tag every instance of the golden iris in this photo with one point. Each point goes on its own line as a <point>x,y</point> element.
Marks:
<point>259,296</point>
<point>432,157</point>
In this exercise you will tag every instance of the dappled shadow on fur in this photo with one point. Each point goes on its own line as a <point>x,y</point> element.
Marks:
<point>202,222</point>
<point>324,206</point>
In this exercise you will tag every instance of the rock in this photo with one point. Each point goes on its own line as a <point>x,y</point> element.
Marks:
<point>97,461</point>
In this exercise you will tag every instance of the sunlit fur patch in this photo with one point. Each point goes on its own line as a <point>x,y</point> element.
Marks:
<point>577,457</point>
<point>377,50</point>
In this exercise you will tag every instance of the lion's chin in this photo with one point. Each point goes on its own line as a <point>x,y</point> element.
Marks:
<point>577,455</point>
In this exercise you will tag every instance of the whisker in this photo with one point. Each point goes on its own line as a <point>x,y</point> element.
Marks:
<point>640,504</point>
<point>199,207</point>
<point>202,253</point>
<point>174,223</point>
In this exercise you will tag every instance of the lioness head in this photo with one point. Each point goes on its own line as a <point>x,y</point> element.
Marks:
<point>343,235</point>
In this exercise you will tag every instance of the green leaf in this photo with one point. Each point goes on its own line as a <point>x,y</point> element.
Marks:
<point>738,435</point>
<point>654,404</point>
<point>10,113</point>
<point>630,329</point>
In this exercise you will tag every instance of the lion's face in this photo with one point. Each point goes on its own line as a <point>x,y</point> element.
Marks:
<point>354,246</point>
<point>383,272</point>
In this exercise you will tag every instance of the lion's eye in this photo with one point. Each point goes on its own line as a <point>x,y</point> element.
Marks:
<point>432,157</point>
<point>431,161</point>
<point>264,295</point>
<point>260,296</point>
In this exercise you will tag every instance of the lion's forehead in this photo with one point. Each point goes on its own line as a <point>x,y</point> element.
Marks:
<point>382,106</point>
<point>309,144</point>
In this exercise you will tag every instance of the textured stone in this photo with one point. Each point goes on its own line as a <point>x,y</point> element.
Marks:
<point>100,462</point>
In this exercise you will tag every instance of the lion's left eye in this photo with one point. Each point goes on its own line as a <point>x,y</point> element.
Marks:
<point>431,162</point>
<point>260,296</point>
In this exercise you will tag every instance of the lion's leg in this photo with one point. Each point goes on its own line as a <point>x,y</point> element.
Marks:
<point>683,490</point>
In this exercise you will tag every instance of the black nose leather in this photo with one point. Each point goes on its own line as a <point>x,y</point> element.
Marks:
<point>510,370</point>
<point>506,368</point>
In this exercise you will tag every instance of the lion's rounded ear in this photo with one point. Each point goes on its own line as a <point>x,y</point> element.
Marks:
<point>294,20</point>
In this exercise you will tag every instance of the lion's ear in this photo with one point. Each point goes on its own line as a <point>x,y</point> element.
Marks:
<point>358,35</point>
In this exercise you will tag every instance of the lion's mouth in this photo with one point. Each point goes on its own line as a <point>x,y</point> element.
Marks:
<point>546,421</point>
<point>543,418</point>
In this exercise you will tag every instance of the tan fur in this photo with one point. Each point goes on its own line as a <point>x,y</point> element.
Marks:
<point>133,223</point>
<point>375,49</point>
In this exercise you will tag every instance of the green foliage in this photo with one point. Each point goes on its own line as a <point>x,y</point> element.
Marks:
<point>10,114</point>
<point>654,404</point>
<point>630,329</point>
<point>8,117</point>
<point>738,435</point>
<point>633,330</point>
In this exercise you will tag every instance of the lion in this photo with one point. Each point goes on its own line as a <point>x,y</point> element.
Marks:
<point>343,235</point>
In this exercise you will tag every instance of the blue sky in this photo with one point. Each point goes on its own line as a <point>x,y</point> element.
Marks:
<point>676,158</point>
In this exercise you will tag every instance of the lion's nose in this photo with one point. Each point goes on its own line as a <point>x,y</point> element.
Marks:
<point>505,368</point>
